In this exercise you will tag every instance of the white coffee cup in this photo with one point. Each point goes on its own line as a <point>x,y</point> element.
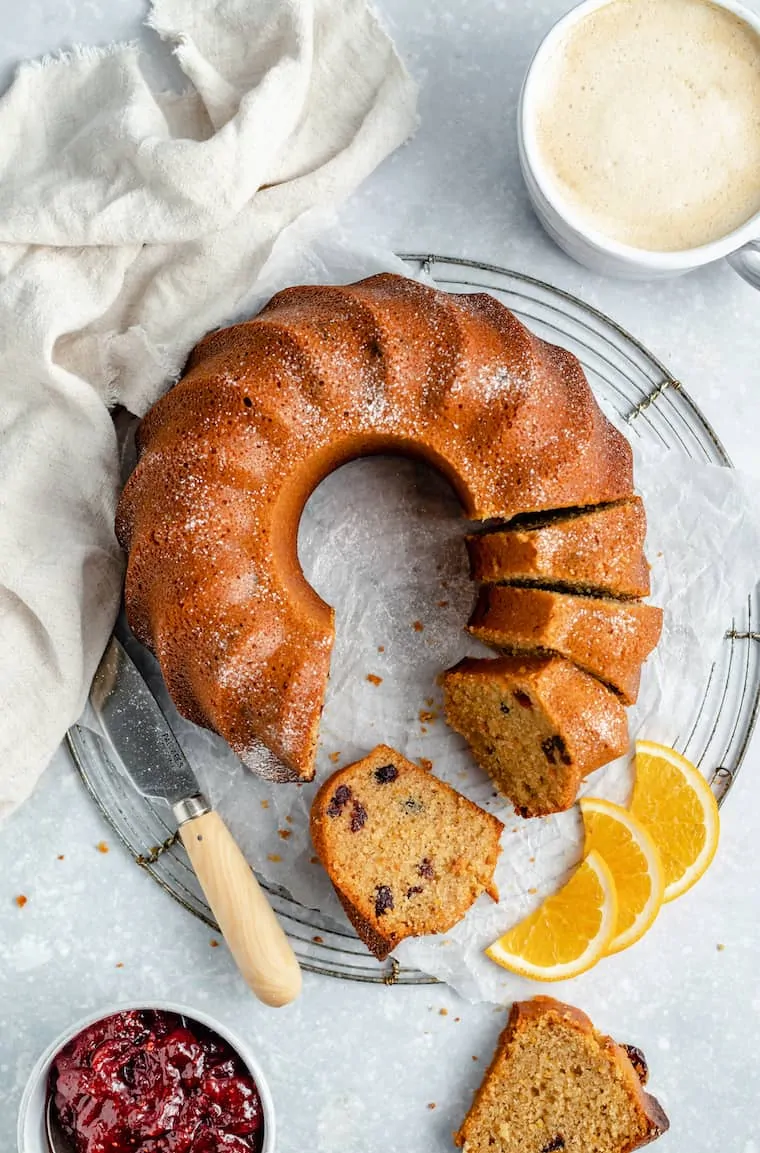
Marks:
<point>589,247</point>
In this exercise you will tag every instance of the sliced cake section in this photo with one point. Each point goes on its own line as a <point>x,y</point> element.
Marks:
<point>406,853</point>
<point>598,549</point>
<point>607,638</point>
<point>537,725</point>
<point>556,1084</point>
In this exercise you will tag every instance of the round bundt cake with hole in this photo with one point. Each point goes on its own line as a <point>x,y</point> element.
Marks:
<point>265,410</point>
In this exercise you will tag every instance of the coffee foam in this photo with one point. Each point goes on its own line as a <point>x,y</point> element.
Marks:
<point>648,122</point>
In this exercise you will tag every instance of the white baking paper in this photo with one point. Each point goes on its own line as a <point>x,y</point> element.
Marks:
<point>382,541</point>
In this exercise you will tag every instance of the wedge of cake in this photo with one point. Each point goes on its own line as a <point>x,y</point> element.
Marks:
<point>536,724</point>
<point>556,1084</point>
<point>608,638</point>
<point>406,853</point>
<point>599,549</point>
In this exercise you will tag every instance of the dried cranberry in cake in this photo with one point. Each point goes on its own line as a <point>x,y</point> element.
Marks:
<point>340,799</point>
<point>639,1062</point>
<point>146,1080</point>
<point>383,900</point>
<point>358,817</point>
<point>536,756</point>
<point>554,750</point>
<point>421,855</point>
<point>385,774</point>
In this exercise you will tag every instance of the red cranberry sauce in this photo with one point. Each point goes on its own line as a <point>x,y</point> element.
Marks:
<point>143,1082</point>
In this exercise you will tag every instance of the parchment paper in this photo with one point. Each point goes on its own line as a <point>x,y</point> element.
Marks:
<point>382,541</point>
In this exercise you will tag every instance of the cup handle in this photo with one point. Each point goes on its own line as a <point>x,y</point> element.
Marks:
<point>746,261</point>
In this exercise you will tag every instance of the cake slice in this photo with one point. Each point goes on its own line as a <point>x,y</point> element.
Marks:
<point>406,853</point>
<point>607,638</point>
<point>536,724</point>
<point>598,549</point>
<point>555,1083</point>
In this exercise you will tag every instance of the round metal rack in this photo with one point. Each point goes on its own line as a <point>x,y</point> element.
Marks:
<point>640,393</point>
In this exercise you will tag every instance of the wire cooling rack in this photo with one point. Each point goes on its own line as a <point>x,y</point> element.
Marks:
<point>629,382</point>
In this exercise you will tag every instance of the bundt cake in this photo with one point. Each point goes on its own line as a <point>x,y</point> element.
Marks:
<point>556,1084</point>
<point>537,725</point>
<point>588,550</point>
<point>406,853</point>
<point>265,410</point>
<point>608,638</point>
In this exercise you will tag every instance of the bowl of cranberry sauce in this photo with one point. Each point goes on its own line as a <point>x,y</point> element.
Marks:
<point>149,1080</point>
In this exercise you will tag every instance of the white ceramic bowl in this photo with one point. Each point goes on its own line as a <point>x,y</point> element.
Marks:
<point>591,248</point>
<point>31,1117</point>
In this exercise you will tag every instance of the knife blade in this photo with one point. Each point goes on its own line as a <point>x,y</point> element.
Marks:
<point>134,723</point>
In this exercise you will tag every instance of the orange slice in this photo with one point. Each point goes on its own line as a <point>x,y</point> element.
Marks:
<point>569,932</point>
<point>674,802</point>
<point>634,861</point>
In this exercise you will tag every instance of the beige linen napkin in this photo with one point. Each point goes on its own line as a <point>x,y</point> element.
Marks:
<point>130,224</point>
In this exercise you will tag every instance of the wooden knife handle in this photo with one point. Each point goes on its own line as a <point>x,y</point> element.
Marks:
<point>255,938</point>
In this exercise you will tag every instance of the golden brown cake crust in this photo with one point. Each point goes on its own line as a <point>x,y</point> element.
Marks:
<point>537,725</point>
<point>264,412</point>
<point>652,1120</point>
<point>609,639</point>
<point>406,854</point>
<point>591,550</point>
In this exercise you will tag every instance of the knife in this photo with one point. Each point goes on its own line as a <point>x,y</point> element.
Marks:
<point>135,725</point>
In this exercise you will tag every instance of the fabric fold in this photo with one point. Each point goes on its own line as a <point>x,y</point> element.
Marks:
<point>131,223</point>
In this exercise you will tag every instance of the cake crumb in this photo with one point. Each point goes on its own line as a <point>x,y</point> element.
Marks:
<point>443,1012</point>
<point>425,763</point>
<point>275,857</point>
<point>431,1104</point>
<point>423,728</point>
<point>443,604</point>
<point>334,757</point>
<point>374,679</point>
<point>283,834</point>
<point>314,860</point>
<point>532,890</point>
<point>457,1020</point>
<point>102,846</point>
<point>214,943</point>
<point>417,626</point>
<point>289,819</point>
<point>264,804</point>
<point>720,948</point>
<point>21,900</point>
<point>474,1057</point>
<point>381,648</point>
<point>119,964</point>
<point>60,857</point>
<point>532,860</point>
<point>318,940</point>
<point>429,701</point>
<point>427,716</point>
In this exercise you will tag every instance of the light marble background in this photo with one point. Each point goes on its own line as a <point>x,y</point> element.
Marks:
<point>354,1068</point>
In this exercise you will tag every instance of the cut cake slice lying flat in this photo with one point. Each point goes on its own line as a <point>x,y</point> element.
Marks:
<point>406,853</point>
<point>556,1085</point>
